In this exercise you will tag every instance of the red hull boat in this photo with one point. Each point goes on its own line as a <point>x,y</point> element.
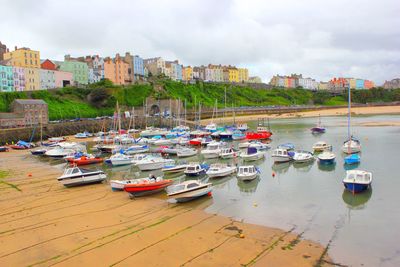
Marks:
<point>146,187</point>
<point>84,161</point>
<point>195,142</point>
<point>258,135</point>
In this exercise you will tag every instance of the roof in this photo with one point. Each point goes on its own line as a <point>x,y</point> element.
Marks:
<point>30,101</point>
<point>4,115</point>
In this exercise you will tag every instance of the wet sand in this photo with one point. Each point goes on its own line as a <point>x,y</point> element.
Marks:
<point>322,113</point>
<point>44,224</point>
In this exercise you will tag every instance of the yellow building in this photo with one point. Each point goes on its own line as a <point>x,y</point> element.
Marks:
<point>233,75</point>
<point>23,57</point>
<point>243,75</point>
<point>187,73</point>
<point>32,79</point>
<point>352,83</point>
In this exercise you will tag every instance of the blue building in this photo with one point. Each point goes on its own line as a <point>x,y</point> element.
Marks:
<point>6,79</point>
<point>138,67</point>
<point>179,72</point>
<point>359,84</point>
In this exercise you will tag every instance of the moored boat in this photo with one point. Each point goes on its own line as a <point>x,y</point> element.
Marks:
<point>326,157</point>
<point>153,163</point>
<point>74,176</point>
<point>357,181</point>
<point>3,149</point>
<point>228,153</point>
<point>302,156</point>
<point>352,159</point>
<point>212,150</point>
<point>321,146</point>
<point>146,186</point>
<point>351,146</point>
<point>173,168</point>
<point>247,173</point>
<point>85,160</point>
<point>186,152</point>
<point>196,169</point>
<point>280,155</point>
<point>220,170</point>
<point>251,154</point>
<point>189,190</point>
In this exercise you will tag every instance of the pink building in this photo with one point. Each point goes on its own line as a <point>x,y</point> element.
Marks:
<point>19,78</point>
<point>63,79</point>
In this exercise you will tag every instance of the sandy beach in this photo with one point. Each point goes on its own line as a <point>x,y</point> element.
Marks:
<point>322,113</point>
<point>45,224</point>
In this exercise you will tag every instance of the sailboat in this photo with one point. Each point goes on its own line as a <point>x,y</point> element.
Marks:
<point>318,129</point>
<point>351,145</point>
<point>212,127</point>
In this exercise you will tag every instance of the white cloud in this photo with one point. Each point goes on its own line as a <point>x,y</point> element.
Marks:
<point>320,39</point>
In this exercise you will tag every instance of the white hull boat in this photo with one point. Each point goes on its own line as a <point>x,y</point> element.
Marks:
<point>75,176</point>
<point>227,153</point>
<point>189,190</point>
<point>251,154</point>
<point>120,159</point>
<point>174,168</point>
<point>280,155</point>
<point>303,156</point>
<point>351,146</point>
<point>154,163</point>
<point>186,152</point>
<point>220,170</point>
<point>321,146</point>
<point>247,173</point>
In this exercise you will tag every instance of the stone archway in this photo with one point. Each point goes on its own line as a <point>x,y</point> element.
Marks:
<point>154,109</point>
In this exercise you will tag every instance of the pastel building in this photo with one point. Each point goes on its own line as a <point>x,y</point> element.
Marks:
<point>138,68</point>
<point>368,84</point>
<point>63,79</point>
<point>359,84</point>
<point>255,79</point>
<point>243,74</point>
<point>47,79</point>
<point>187,73</point>
<point>23,57</point>
<point>95,68</point>
<point>32,79</point>
<point>6,79</point>
<point>231,74</point>
<point>117,70</point>
<point>19,79</point>
<point>80,70</point>
<point>155,66</point>
<point>307,83</point>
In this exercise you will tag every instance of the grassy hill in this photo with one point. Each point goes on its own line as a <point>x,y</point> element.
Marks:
<point>100,99</point>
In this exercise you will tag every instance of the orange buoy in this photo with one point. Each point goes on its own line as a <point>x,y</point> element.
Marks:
<point>209,194</point>
<point>29,174</point>
<point>273,174</point>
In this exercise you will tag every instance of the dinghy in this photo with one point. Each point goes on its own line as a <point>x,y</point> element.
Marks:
<point>247,173</point>
<point>357,181</point>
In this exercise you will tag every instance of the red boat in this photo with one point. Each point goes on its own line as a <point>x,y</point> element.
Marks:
<point>258,135</point>
<point>147,186</point>
<point>195,141</point>
<point>84,160</point>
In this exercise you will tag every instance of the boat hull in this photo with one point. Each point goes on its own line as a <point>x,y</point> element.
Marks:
<point>83,180</point>
<point>326,161</point>
<point>136,190</point>
<point>278,159</point>
<point>190,195</point>
<point>220,174</point>
<point>192,174</point>
<point>356,187</point>
<point>249,177</point>
<point>210,155</point>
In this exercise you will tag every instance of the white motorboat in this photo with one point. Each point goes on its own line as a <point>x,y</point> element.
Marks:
<point>186,152</point>
<point>326,157</point>
<point>301,156</point>
<point>189,190</point>
<point>259,145</point>
<point>137,158</point>
<point>242,127</point>
<point>321,146</point>
<point>282,155</point>
<point>357,181</point>
<point>136,149</point>
<point>83,135</point>
<point>351,146</point>
<point>59,152</point>
<point>173,168</point>
<point>228,153</point>
<point>153,163</point>
<point>251,154</point>
<point>75,176</point>
<point>220,170</point>
<point>212,150</point>
<point>247,173</point>
<point>119,159</point>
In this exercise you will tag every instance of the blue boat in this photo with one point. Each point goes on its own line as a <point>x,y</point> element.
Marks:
<point>287,146</point>
<point>357,181</point>
<point>195,169</point>
<point>238,135</point>
<point>326,157</point>
<point>352,159</point>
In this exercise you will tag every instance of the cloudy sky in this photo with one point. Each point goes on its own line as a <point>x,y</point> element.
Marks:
<point>319,38</point>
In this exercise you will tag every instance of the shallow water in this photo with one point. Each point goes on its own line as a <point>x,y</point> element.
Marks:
<point>361,230</point>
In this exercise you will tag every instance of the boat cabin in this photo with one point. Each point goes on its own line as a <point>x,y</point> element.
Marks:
<point>280,152</point>
<point>246,170</point>
<point>359,176</point>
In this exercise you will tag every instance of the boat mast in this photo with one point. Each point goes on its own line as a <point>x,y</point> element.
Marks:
<point>185,112</point>
<point>41,127</point>
<point>349,115</point>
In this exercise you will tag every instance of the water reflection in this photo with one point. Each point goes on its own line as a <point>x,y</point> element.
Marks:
<point>221,182</point>
<point>356,201</point>
<point>248,187</point>
<point>327,167</point>
<point>303,166</point>
<point>349,167</point>
<point>281,167</point>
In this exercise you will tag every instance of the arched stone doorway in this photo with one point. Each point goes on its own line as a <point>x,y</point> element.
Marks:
<point>155,109</point>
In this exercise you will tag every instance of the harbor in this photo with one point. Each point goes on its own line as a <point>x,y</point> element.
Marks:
<point>274,214</point>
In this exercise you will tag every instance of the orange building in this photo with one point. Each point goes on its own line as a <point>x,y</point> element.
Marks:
<point>117,70</point>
